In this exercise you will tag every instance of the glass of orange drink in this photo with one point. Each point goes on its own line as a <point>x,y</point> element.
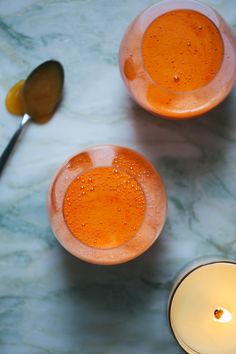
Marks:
<point>178,59</point>
<point>107,205</point>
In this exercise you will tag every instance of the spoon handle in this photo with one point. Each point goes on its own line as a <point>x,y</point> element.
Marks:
<point>6,153</point>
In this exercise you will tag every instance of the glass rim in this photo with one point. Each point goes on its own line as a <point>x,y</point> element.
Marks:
<point>124,252</point>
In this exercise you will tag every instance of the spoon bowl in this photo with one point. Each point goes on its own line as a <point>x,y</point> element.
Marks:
<point>41,94</point>
<point>42,90</point>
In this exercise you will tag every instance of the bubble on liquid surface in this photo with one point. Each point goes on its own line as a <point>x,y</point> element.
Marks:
<point>176,78</point>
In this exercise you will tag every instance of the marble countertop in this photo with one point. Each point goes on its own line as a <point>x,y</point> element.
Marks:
<point>51,302</point>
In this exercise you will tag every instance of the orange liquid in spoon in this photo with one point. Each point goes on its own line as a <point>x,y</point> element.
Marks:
<point>14,103</point>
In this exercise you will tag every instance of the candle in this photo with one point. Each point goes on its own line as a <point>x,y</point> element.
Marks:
<point>202,310</point>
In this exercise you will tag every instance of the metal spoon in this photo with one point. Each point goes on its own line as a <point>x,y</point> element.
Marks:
<point>41,94</point>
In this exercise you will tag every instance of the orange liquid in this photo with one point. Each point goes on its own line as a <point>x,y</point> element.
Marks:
<point>182,50</point>
<point>13,101</point>
<point>104,207</point>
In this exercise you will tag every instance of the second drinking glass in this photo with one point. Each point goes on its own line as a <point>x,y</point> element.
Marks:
<point>178,59</point>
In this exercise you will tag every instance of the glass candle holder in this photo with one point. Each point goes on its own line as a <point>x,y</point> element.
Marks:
<point>167,100</point>
<point>107,205</point>
<point>202,308</point>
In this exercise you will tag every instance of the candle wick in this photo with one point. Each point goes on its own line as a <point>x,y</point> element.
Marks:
<point>218,313</point>
<point>222,315</point>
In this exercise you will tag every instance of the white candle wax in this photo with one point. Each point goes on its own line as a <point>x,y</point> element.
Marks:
<point>202,309</point>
